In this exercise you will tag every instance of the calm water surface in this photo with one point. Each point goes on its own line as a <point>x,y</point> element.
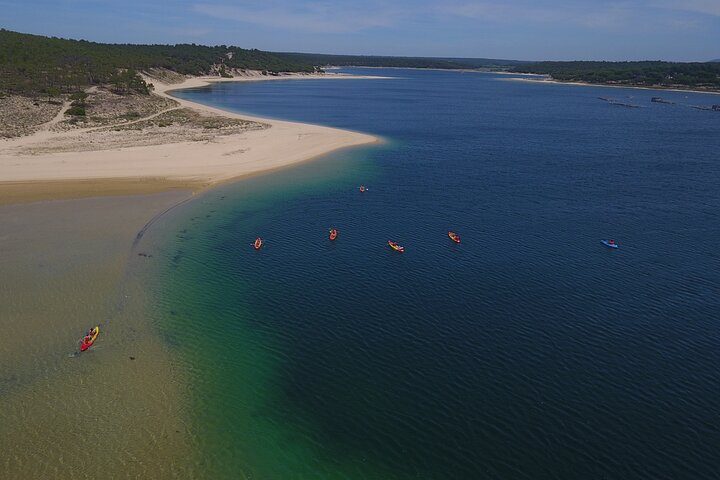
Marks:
<point>529,351</point>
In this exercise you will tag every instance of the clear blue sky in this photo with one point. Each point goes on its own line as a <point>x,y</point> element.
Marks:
<point>686,30</point>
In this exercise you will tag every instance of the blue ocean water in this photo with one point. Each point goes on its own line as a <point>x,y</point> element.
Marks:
<point>528,351</point>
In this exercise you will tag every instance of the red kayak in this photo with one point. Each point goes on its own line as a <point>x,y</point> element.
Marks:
<point>89,339</point>
<point>258,243</point>
<point>333,233</point>
<point>454,237</point>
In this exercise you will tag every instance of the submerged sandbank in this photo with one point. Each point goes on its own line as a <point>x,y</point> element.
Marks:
<point>118,407</point>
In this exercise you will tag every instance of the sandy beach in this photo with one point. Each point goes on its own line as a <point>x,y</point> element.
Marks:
<point>126,160</point>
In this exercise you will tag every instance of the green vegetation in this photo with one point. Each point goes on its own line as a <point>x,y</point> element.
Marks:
<point>223,72</point>
<point>401,62</point>
<point>184,117</point>
<point>79,97</point>
<point>76,111</point>
<point>648,74</point>
<point>33,64</point>
<point>52,92</point>
<point>77,106</point>
<point>128,81</point>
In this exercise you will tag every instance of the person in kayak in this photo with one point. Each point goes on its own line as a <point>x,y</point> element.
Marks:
<point>89,339</point>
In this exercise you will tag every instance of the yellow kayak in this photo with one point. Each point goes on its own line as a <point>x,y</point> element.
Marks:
<point>396,247</point>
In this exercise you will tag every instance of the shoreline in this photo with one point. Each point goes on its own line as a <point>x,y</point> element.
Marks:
<point>192,165</point>
<point>549,81</point>
<point>540,77</point>
<point>200,82</point>
<point>433,69</point>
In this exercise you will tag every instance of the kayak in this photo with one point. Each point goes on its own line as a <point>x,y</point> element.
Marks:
<point>85,345</point>
<point>258,243</point>
<point>333,234</point>
<point>396,247</point>
<point>610,243</point>
<point>454,237</point>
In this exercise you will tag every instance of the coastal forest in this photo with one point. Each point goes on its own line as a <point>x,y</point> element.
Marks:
<point>32,64</point>
<point>699,76</point>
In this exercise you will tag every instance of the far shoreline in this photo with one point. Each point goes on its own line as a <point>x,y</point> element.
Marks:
<point>533,77</point>
<point>550,81</point>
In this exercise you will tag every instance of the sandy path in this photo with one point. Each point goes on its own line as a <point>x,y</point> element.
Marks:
<point>142,119</point>
<point>58,118</point>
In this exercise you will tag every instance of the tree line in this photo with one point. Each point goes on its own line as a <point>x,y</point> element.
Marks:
<point>650,73</point>
<point>32,64</point>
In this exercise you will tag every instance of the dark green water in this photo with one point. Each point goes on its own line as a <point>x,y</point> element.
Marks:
<point>527,351</point>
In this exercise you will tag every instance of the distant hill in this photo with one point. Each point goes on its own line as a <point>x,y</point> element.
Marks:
<point>34,63</point>
<point>320,59</point>
<point>698,76</point>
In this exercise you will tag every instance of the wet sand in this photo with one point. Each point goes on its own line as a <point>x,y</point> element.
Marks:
<point>64,269</point>
<point>33,191</point>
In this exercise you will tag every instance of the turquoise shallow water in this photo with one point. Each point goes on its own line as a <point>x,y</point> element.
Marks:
<point>527,351</point>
